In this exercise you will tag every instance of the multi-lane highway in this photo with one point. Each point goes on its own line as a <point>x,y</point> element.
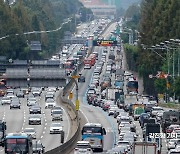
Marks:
<point>96,114</point>
<point>17,121</point>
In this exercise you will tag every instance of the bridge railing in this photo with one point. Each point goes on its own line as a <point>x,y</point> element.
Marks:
<point>68,146</point>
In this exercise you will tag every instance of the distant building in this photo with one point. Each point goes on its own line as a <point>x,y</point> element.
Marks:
<point>100,9</point>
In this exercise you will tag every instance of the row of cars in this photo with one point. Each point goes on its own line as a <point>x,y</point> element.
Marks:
<point>32,100</point>
<point>126,127</point>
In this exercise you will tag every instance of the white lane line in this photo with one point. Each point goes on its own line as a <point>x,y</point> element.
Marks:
<point>84,116</point>
<point>41,137</point>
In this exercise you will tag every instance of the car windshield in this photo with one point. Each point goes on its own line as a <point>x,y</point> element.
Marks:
<point>92,130</point>
<point>35,107</point>
<point>55,125</point>
<point>5,98</point>
<point>16,145</point>
<point>50,100</point>
<point>57,112</point>
<point>83,146</point>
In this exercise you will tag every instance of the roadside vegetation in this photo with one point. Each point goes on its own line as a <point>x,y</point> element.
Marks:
<point>35,15</point>
<point>158,22</point>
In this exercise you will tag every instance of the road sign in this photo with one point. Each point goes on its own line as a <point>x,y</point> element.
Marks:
<point>104,43</point>
<point>70,95</point>
<point>77,105</point>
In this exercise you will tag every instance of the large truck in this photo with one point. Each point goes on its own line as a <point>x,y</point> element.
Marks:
<point>129,99</point>
<point>3,132</point>
<point>111,93</point>
<point>151,131</point>
<point>144,148</point>
<point>137,110</point>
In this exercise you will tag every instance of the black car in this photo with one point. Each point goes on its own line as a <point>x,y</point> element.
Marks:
<point>38,148</point>
<point>81,79</point>
<point>15,104</point>
<point>35,109</point>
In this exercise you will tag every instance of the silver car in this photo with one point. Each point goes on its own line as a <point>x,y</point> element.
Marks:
<point>30,132</point>
<point>5,100</point>
<point>35,119</point>
<point>56,128</point>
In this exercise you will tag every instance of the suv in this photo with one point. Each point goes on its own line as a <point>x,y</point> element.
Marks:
<point>57,115</point>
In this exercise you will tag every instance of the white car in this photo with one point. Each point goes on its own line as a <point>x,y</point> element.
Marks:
<point>155,110</point>
<point>83,147</point>
<point>172,143</point>
<point>30,132</point>
<point>87,66</point>
<point>5,100</point>
<point>50,103</point>
<point>31,101</point>
<point>56,128</point>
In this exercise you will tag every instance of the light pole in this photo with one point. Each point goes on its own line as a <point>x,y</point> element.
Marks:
<point>171,45</point>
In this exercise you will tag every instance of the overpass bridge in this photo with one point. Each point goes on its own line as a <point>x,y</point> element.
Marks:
<point>35,73</point>
<point>34,77</point>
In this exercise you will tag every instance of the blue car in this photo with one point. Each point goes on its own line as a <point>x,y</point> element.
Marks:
<point>142,117</point>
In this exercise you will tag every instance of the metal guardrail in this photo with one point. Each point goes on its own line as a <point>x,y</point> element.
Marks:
<point>67,147</point>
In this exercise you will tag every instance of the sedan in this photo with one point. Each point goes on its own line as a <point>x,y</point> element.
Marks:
<point>38,148</point>
<point>56,128</point>
<point>50,103</point>
<point>30,132</point>
<point>32,101</point>
<point>20,94</point>
<point>35,109</point>
<point>35,120</point>
<point>15,104</point>
<point>6,100</point>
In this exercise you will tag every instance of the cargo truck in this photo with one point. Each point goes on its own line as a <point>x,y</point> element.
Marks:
<point>144,148</point>
<point>129,99</point>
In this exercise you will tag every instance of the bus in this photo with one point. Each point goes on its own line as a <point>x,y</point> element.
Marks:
<point>18,143</point>
<point>132,86</point>
<point>94,133</point>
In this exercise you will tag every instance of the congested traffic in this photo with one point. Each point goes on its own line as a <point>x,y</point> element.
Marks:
<point>140,122</point>
<point>33,103</point>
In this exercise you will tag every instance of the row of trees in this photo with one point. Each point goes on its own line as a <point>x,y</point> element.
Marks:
<point>28,16</point>
<point>159,21</point>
